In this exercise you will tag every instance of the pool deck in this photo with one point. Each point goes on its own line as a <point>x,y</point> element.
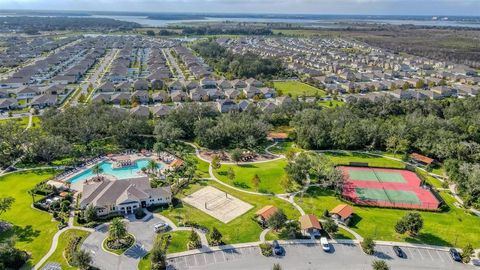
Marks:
<point>78,186</point>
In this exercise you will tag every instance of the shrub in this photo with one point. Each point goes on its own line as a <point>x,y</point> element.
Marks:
<point>139,213</point>
<point>368,246</point>
<point>276,266</point>
<point>380,265</point>
<point>71,248</point>
<point>266,249</point>
<point>216,237</point>
<point>467,253</point>
<point>330,226</point>
<point>411,223</point>
<point>194,241</point>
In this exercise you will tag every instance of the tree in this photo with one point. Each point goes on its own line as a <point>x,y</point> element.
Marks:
<point>411,223</point>
<point>117,230</point>
<point>157,255</point>
<point>290,155</point>
<point>6,204</point>
<point>256,181</point>
<point>97,169</point>
<point>82,259</point>
<point>395,144</point>
<point>230,174</point>
<point>286,183</point>
<point>368,246</point>
<point>150,33</point>
<point>216,237</point>
<point>330,226</point>
<point>11,257</point>
<point>194,241</point>
<point>152,166</point>
<point>291,230</point>
<point>276,266</point>
<point>467,253</point>
<point>216,162</point>
<point>90,213</point>
<point>236,155</point>
<point>379,265</point>
<point>277,220</point>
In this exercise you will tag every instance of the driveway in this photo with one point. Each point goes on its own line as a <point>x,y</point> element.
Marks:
<point>311,256</point>
<point>144,235</point>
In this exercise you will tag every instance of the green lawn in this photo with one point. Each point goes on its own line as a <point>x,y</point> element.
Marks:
<point>178,244</point>
<point>344,158</point>
<point>331,104</point>
<point>452,227</point>
<point>343,234</point>
<point>202,169</point>
<point>34,229</point>
<point>57,256</point>
<point>296,88</point>
<point>282,148</point>
<point>270,174</point>
<point>240,230</point>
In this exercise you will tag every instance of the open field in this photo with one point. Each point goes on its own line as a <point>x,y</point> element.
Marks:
<point>202,168</point>
<point>57,256</point>
<point>454,227</point>
<point>270,174</point>
<point>240,230</point>
<point>296,88</point>
<point>34,229</point>
<point>344,158</point>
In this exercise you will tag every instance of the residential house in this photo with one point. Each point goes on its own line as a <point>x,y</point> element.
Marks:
<point>8,103</point>
<point>43,101</point>
<point>106,87</point>
<point>160,96</point>
<point>198,94</point>
<point>140,111</point>
<point>160,110</point>
<point>226,105</point>
<point>178,96</point>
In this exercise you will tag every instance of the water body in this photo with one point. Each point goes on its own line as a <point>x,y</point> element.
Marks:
<point>325,23</point>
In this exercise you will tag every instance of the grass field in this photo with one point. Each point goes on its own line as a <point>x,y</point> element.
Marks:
<point>34,229</point>
<point>270,174</point>
<point>296,88</point>
<point>344,158</point>
<point>57,256</point>
<point>240,230</point>
<point>202,168</point>
<point>283,147</point>
<point>450,228</point>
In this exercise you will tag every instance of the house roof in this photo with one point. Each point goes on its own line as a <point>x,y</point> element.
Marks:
<point>267,211</point>
<point>309,222</point>
<point>278,135</point>
<point>421,158</point>
<point>343,210</point>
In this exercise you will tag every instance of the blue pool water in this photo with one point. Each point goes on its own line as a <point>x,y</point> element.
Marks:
<point>119,173</point>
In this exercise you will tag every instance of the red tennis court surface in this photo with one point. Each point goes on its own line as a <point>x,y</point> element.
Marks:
<point>386,187</point>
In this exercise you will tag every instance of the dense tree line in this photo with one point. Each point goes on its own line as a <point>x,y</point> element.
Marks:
<point>208,30</point>
<point>234,66</point>
<point>210,129</point>
<point>448,130</point>
<point>77,132</point>
<point>34,24</point>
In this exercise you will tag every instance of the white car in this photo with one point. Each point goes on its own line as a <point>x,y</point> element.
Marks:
<point>325,244</point>
<point>161,227</point>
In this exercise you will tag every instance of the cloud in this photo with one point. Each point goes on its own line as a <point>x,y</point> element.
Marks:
<point>400,7</point>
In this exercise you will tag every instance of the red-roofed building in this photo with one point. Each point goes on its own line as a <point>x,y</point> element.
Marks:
<point>310,225</point>
<point>264,214</point>
<point>421,159</point>
<point>342,212</point>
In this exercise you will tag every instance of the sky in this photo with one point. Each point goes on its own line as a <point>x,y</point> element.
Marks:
<point>363,7</point>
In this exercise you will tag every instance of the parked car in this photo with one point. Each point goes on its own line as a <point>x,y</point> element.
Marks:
<point>455,255</point>
<point>398,251</point>
<point>325,244</point>
<point>161,227</point>
<point>277,249</point>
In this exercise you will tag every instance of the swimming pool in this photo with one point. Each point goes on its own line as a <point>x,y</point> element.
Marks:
<point>119,173</point>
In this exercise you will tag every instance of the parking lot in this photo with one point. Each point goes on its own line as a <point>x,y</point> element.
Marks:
<point>310,256</point>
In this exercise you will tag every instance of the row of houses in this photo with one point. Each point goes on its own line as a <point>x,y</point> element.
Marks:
<point>194,64</point>
<point>344,67</point>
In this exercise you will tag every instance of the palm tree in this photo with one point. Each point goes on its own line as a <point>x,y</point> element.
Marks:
<point>82,259</point>
<point>97,169</point>
<point>152,166</point>
<point>117,230</point>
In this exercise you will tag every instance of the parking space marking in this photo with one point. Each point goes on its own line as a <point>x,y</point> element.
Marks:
<point>410,252</point>
<point>439,255</point>
<point>428,251</point>
<point>209,258</point>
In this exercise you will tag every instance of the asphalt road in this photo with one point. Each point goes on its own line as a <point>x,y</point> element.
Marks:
<point>310,256</point>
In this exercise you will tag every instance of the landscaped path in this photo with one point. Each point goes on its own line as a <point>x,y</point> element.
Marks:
<point>56,237</point>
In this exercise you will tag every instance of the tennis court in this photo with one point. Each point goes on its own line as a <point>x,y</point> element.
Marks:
<point>386,187</point>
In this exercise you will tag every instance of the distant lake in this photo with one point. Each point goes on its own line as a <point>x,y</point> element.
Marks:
<point>145,21</point>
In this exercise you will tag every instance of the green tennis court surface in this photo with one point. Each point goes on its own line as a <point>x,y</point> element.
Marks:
<point>379,194</point>
<point>376,176</point>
